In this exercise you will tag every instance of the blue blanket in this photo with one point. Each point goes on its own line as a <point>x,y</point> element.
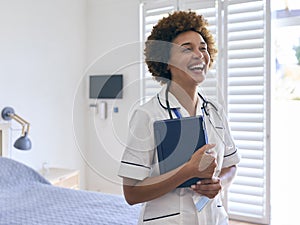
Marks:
<point>26,198</point>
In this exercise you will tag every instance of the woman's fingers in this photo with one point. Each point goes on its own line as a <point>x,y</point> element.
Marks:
<point>208,187</point>
<point>203,162</point>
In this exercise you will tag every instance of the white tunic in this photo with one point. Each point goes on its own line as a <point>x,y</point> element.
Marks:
<point>139,161</point>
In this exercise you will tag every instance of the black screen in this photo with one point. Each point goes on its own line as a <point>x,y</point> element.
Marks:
<point>106,86</point>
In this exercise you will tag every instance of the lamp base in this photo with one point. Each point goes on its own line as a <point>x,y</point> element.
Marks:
<point>7,112</point>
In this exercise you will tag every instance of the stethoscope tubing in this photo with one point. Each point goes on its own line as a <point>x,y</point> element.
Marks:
<point>204,104</point>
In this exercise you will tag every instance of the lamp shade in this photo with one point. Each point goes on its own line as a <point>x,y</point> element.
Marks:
<point>23,143</point>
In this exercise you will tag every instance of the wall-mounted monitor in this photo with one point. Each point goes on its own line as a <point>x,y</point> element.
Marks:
<point>106,86</point>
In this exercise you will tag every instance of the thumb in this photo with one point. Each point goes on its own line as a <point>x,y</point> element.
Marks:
<point>206,148</point>
<point>206,159</point>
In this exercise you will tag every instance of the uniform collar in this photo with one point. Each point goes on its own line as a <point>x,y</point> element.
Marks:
<point>174,103</point>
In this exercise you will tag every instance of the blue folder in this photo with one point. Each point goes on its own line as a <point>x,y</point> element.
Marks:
<point>176,141</point>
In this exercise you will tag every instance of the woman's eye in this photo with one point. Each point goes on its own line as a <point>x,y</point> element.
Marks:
<point>187,50</point>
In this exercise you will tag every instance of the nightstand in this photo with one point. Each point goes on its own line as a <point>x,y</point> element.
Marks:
<point>63,177</point>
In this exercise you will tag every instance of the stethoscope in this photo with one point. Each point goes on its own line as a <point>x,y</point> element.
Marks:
<point>204,107</point>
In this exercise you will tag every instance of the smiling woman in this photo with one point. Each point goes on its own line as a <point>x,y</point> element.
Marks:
<point>179,52</point>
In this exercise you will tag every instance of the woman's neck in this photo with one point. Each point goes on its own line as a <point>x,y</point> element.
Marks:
<point>187,97</point>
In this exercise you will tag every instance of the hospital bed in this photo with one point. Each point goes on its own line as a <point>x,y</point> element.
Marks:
<point>27,198</point>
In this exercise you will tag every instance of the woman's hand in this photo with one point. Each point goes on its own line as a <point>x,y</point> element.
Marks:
<point>203,162</point>
<point>208,187</point>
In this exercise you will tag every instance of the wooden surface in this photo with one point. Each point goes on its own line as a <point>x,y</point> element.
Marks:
<point>62,177</point>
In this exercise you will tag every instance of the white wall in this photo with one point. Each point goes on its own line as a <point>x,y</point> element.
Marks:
<point>42,59</point>
<point>113,47</point>
<point>47,51</point>
<point>285,154</point>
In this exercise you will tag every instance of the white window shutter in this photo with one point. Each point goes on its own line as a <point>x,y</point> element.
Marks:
<point>152,11</point>
<point>247,57</point>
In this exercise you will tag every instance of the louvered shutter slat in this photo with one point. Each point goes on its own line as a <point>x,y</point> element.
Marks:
<point>252,154</point>
<point>254,25</point>
<point>246,80</point>
<point>246,72</point>
<point>246,44</point>
<point>246,127</point>
<point>249,181</point>
<point>245,145</point>
<point>252,53</point>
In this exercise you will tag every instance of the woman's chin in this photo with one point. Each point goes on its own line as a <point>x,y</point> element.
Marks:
<point>198,78</point>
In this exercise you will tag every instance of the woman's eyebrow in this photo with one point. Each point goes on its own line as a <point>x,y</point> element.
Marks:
<point>189,43</point>
<point>186,43</point>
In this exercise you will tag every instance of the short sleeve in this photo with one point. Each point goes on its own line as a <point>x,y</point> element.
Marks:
<point>231,158</point>
<point>138,154</point>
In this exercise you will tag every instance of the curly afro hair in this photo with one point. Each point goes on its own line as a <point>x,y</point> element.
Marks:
<point>158,44</point>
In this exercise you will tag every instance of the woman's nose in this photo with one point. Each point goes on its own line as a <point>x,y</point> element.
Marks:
<point>198,54</point>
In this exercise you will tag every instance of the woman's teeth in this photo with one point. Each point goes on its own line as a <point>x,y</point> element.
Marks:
<point>197,67</point>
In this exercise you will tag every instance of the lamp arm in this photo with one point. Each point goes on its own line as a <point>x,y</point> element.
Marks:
<point>24,123</point>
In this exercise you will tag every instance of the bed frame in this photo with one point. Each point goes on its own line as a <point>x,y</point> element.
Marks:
<point>4,139</point>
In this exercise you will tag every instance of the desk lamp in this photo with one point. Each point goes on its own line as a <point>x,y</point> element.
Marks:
<point>23,142</point>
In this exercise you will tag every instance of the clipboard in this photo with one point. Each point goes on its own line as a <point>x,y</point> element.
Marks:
<point>176,141</point>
